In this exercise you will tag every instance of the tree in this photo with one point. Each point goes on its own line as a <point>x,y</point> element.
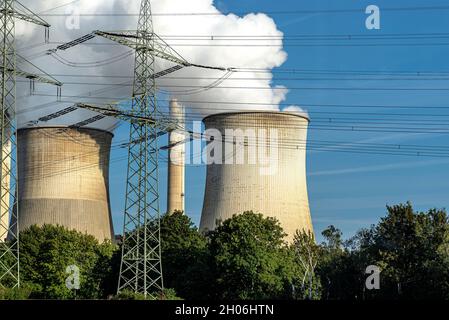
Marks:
<point>333,237</point>
<point>336,267</point>
<point>251,259</point>
<point>307,254</point>
<point>185,257</point>
<point>21,293</point>
<point>412,249</point>
<point>45,254</point>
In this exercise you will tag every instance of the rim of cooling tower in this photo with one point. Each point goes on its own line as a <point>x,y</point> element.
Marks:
<point>286,113</point>
<point>65,127</point>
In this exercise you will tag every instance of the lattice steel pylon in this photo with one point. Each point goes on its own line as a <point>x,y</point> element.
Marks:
<point>141,267</point>
<point>9,250</point>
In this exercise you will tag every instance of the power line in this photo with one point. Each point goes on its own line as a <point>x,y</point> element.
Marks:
<point>315,145</point>
<point>284,44</point>
<point>289,12</point>
<point>357,127</point>
<point>306,37</point>
<point>396,73</point>
<point>339,72</point>
<point>202,110</point>
<point>345,36</point>
<point>58,7</point>
<point>99,63</point>
<point>325,119</point>
<point>306,88</point>
<point>236,103</point>
<point>248,79</point>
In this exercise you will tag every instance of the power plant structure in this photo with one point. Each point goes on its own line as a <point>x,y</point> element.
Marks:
<point>12,10</point>
<point>142,210</point>
<point>5,185</point>
<point>63,176</point>
<point>176,162</point>
<point>60,175</point>
<point>262,168</point>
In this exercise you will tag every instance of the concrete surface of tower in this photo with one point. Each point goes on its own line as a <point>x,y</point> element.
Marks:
<point>176,162</point>
<point>64,179</point>
<point>272,187</point>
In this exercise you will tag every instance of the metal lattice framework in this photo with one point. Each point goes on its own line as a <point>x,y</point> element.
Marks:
<point>9,252</point>
<point>141,268</point>
<point>9,222</point>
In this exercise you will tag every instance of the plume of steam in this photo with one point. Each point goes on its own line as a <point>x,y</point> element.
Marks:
<point>297,110</point>
<point>83,85</point>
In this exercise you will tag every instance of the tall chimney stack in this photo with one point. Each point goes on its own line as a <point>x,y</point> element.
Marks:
<point>176,161</point>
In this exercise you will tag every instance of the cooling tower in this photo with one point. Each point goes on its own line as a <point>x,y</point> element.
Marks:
<point>176,162</point>
<point>64,179</point>
<point>250,180</point>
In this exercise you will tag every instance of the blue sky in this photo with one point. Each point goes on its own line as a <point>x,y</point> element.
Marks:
<point>348,190</point>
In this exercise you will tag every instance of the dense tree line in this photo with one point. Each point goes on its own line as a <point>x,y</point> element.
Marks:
<point>246,257</point>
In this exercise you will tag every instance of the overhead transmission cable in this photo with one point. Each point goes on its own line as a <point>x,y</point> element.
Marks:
<point>278,12</point>
<point>99,63</point>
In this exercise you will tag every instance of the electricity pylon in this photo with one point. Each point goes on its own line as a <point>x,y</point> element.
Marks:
<point>9,223</point>
<point>141,268</point>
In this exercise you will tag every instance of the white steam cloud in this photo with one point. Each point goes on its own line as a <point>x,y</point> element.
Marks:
<point>83,84</point>
<point>296,109</point>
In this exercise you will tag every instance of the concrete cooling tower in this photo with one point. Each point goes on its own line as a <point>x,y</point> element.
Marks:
<point>64,179</point>
<point>249,180</point>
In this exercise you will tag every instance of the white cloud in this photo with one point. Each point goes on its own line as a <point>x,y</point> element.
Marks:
<point>377,168</point>
<point>296,109</point>
<point>267,56</point>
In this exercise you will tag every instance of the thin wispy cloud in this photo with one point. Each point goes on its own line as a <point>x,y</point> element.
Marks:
<point>376,168</point>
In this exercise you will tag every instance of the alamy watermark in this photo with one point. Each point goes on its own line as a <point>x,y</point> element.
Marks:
<point>373,280</point>
<point>372,22</point>
<point>72,22</point>
<point>72,282</point>
<point>231,146</point>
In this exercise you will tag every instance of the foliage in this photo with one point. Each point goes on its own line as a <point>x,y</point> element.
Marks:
<point>307,254</point>
<point>168,294</point>
<point>246,257</point>
<point>411,249</point>
<point>46,252</point>
<point>185,257</point>
<point>8,280</point>
<point>129,295</point>
<point>335,268</point>
<point>21,293</point>
<point>250,258</point>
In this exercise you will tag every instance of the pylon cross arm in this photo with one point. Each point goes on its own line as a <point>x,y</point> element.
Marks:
<point>150,42</point>
<point>35,77</point>
<point>21,12</point>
